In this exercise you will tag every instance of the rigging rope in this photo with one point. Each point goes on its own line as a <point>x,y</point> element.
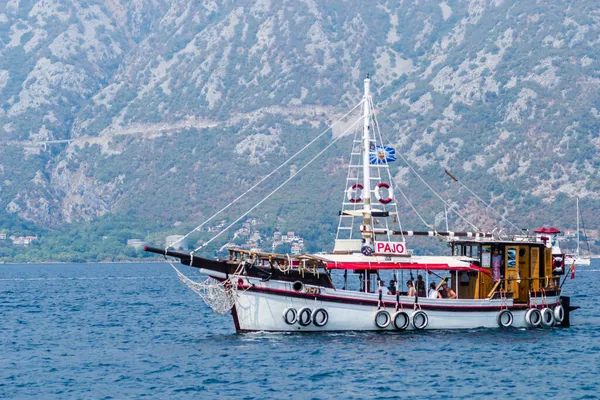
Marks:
<point>197,228</point>
<point>431,227</point>
<point>450,207</point>
<point>278,187</point>
<point>463,185</point>
<point>483,201</point>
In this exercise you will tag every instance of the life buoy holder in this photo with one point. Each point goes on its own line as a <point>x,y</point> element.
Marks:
<point>401,320</point>
<point>304,316</point>
<point>505,318</point>
<point>290,316</point>
<point>420,320</point>
<point>382,319</point>
<point>320,317</point>
<point>547,317</point>
<point>351,190</point>
<point>378,193</point>
<point>559,314</point>
<point>533,317</point>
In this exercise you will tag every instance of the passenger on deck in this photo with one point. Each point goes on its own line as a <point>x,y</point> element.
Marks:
<point>447,292</point>
<point>433,294</point>
<point>496,262</point>
<point>411,289</point>
<point>421,286</point>
<point>392,287</point>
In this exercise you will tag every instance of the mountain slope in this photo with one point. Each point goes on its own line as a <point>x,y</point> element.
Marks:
<point>170,109</point>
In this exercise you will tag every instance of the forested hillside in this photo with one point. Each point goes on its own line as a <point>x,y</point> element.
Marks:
<point>138,119</point>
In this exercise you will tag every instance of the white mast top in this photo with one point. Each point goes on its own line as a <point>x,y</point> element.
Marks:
<point>366,142</point>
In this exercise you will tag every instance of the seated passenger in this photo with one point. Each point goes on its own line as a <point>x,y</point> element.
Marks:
<point>447,292</point>
<point>411,289</point>
<point>433,294</point>
<point>392,287</point>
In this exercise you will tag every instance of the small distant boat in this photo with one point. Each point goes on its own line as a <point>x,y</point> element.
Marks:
<point>487,280</point>
<point>577,258</point>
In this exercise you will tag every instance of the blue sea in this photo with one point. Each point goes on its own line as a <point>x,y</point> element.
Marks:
<point>93,331</point>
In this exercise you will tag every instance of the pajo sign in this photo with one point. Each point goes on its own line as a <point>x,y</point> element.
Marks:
<point>390,248</point>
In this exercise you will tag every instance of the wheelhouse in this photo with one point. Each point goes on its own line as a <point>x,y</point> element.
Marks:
<point>524,268</point>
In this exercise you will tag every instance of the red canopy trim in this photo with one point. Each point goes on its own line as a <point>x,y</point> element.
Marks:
<point>355,266</point>
<point>550,230</point>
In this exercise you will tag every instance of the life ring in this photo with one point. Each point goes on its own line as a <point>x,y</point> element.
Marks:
<point>547,317</point>
<point>290,316</point>
<point>378,193</point>
<point>304,316</point>
<point>401,320</point>
<point>320,317</point>
<point>533,317</point>
<point>420,320</point>
<point>352,189</point>
<point>382,319</point>
<point>505,318</point>
<point>559,314</point>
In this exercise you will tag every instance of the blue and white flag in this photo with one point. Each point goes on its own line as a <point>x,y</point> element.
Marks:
<point>382,155</point>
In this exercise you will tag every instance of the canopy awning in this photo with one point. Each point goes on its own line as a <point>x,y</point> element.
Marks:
<point>374,266</point>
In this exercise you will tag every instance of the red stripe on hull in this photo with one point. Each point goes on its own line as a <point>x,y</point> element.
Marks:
<point>367,302</point>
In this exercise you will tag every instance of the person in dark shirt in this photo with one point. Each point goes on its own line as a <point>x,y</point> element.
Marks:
<point>392,287</point>
<point>420,286</point>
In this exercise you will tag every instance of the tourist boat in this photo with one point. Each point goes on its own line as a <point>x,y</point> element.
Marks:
<point>488,280</point>
<point>577,258</point>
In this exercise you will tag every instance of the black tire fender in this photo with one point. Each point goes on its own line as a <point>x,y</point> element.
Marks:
<point>386,319</point>
<point>420,315</point>
<point>290,316</point>
<point>304,316</point>
<point>320,317</point>
<point>401,316</point>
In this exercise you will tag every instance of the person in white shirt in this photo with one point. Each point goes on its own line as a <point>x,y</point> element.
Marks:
<point>433,294</point>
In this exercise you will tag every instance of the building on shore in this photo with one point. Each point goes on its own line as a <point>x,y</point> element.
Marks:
<point>137,244</point>
<point>176,242</point>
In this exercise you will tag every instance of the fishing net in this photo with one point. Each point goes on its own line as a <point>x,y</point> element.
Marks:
<point>220,296</point>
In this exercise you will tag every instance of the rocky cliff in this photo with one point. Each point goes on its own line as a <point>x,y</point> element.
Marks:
<point>166,110</point>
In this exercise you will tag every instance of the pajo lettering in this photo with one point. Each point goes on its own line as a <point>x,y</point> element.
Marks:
<point>390,247</point>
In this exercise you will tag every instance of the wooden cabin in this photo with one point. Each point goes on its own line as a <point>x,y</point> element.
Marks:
<point>524,266</point>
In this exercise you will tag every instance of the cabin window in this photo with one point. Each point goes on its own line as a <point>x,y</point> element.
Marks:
<point>466,250</point>
<point>456,250</point>
<point>512,258</point>
<point>486,256</point>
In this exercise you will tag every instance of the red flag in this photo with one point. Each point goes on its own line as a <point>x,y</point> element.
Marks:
<point>573,270</point>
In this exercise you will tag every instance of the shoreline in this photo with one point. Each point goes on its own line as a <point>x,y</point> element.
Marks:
<point>84,262</point>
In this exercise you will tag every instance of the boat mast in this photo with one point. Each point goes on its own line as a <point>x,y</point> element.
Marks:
<point>577,227</point>
<point>366,143</point>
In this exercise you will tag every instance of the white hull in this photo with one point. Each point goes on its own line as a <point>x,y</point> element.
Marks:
<point>264,310</point>
<point>583,262</point>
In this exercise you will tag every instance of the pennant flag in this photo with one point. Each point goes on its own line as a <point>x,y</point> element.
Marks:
<point>382,155</point>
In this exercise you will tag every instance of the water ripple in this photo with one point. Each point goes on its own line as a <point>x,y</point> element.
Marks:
<point>132,330</point>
